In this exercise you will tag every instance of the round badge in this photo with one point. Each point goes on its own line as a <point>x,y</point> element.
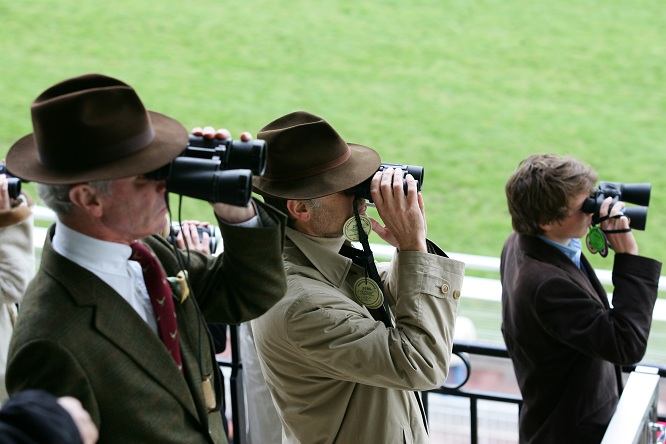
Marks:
<point>596,241</point>
<point>351,232</point>
<point>367,292</point>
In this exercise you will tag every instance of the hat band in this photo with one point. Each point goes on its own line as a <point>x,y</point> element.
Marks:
<point>309,171</point>
<point>138,142</point>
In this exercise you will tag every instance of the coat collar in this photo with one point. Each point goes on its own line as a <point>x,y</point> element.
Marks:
<point>330,265</point>
<point>544,252</point>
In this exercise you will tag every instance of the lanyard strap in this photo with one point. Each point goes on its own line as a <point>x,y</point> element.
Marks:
<point>366,260</point>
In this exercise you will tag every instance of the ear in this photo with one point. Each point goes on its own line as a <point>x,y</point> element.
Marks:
<point>546,227</point>
<point>299,210</point>
<point>86,198</point>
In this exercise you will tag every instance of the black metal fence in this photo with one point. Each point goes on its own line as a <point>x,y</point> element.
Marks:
<point>474,396</point>
<point>461,349</point>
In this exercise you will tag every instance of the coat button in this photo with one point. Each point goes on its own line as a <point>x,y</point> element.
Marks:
<point>456,294</point>
<point>445,288</point>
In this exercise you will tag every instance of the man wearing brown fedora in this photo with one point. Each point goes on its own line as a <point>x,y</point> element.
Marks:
<point>337,374</point>
<point>113,332</point>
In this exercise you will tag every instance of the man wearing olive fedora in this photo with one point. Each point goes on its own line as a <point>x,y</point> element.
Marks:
<point>336,373</point>
<point>132,348</point>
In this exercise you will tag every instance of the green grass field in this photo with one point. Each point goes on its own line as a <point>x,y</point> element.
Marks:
<point>465,88</point>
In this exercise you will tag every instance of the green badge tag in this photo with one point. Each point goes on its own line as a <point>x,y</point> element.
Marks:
<point>596,241</point>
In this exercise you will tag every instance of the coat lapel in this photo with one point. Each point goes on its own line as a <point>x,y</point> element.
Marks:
<point>540,250</point>
<point>597,287</point>
<point>116,321</point>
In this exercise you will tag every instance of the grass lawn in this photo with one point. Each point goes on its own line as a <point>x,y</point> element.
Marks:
<point>465,88</point>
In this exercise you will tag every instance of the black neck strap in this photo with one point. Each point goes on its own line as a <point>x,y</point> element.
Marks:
<point>366,260</point>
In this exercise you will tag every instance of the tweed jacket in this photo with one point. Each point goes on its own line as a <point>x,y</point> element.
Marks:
<point>337,375</point>
<point>76,336</point>
<point>565,341</point>
<point>17,266</point>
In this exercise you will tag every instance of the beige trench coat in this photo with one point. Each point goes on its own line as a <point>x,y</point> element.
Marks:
<point>17,266</point>
<point>336,374</point>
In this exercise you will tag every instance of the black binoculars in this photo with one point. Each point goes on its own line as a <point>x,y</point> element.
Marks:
<point>215,170</point>
<point>211,230</point>
<point>13,183</point>
<point>634,193</point>
<point>363,189</point>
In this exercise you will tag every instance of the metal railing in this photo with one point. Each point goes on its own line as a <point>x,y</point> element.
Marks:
<point>472,395</point>
<point>636,420</point>
<point>461,349</point>
<point>475,396</point>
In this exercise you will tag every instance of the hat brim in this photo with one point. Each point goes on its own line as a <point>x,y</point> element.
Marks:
<point>362,164</point>
<point>170,140</point>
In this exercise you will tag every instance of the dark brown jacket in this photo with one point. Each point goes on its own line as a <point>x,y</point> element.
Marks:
<point>565,341</point>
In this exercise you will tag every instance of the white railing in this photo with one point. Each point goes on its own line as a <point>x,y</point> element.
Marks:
<point>635,419</point>
<point>490,289</point>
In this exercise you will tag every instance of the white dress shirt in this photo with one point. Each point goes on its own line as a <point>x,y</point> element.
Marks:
<point>110,262</point>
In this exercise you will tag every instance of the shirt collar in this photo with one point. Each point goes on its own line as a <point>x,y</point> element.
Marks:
<point>93,254</point>
<point>572,250</point>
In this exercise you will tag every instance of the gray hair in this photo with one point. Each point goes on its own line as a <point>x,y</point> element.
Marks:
<point>56,197</point>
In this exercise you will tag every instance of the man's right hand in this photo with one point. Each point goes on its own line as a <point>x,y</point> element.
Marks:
<point>403,215</point>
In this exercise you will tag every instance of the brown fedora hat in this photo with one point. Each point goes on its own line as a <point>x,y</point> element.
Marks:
<point>307,158</point>
<point>93,127</point>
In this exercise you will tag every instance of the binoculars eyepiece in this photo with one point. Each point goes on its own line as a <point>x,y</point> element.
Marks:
<point>363,189</point>
<point>215,170</point>
<point>634,193</point>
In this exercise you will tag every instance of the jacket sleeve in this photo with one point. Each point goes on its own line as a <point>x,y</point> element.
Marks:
<point>243,281</point>
<point>618,335</point>
<point>17,259</point>
<point>63,376</point>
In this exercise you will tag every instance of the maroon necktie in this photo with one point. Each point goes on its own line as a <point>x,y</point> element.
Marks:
<point>160,297</point>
